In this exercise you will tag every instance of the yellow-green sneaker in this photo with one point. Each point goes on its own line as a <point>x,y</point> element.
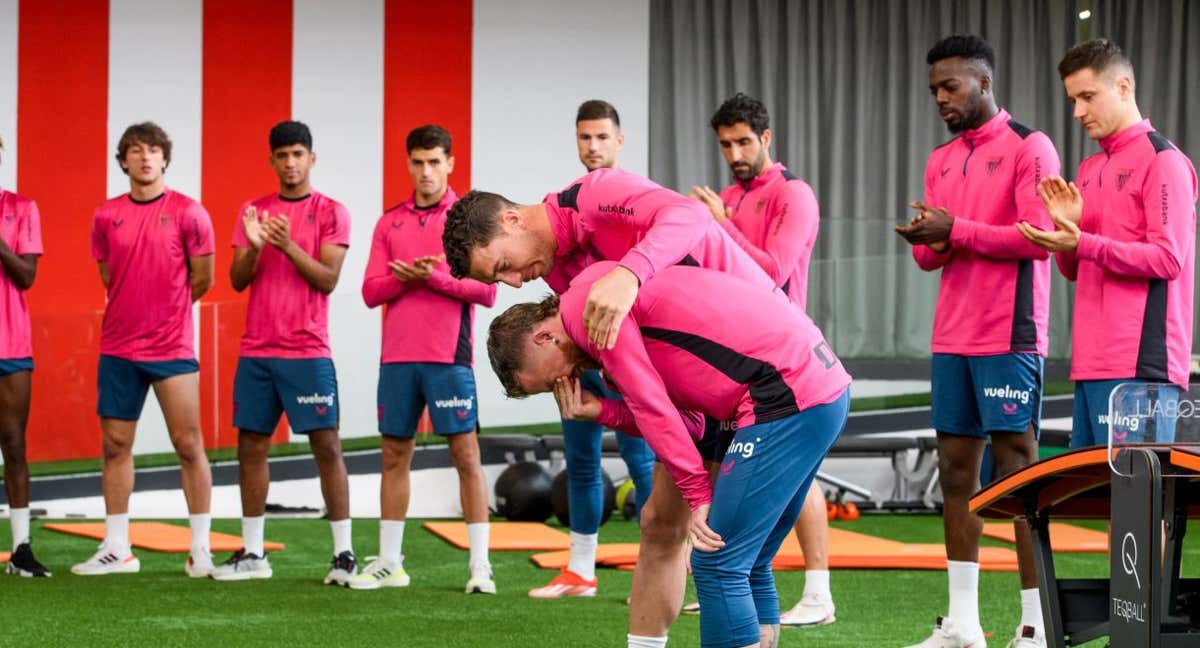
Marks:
<point>380,573</point>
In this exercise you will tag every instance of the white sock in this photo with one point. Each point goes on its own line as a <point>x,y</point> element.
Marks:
<point>20,526</point>
<point>1031,610</point>
<point>646,642</point>
<point>116,533</point>
<point>391,541</point>
<point>252,534</point>
<point>477,536</point>
<point>200,524</point>
<point>816,581</point>
<point>583,554</point>
<point>341,536</point>
<point>964,595</point>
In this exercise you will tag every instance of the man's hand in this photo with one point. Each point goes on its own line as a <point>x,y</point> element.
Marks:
<point>278,232</point>
<point>931,226</point>
<point>712,200</point>
<point>414,272</point>
<point>1064,238</point>
<point>703,537</point>
<point>430,260</point>
<point>608,302</point>
<point>252,223</point>
<point>574,402</point>
<point>1062,199</point>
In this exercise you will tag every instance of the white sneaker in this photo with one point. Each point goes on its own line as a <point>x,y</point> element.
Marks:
<point>242,566</point>
<point>380,573</point>
<point>946,635</point>
<point>341,569</point>
<point>812,610</point>
<point>199,565</point>
<point>108,562</point>
<point>1028,637</point>
<point>481,581</point>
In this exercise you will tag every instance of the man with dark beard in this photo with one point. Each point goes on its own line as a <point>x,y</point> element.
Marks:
<point>990,327</point>
<point>773,216</point>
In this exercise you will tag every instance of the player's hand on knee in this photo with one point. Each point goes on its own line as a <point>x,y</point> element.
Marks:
<point>608,302</point>
<point>703,537</point>
<point>574,402</point>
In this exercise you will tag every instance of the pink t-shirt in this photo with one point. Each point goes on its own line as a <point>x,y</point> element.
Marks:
<point>995,290</point>
<point>683,349</point>
<point>775,220</point>
<point>1134,269</point>
<point>147,246</point>
<point>620,216</point>
<point>21,230</point>
<point>424,321</point>
<point>286,316</point>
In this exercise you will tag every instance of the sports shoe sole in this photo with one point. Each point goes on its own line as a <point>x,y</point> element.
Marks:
<point>823,622</point>
<point>24,573</point>
<point>376,584</point>
<point>241,576</point>
<point>587,593</point>
<point>137,567</point>
<point>481,588</point>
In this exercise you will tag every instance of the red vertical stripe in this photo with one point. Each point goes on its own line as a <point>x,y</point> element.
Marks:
<point>427,79</point>
<point>62,153</point>
<point>247,90</point>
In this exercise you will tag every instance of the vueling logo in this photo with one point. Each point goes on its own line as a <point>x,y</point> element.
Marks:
<point>1008,392</point>
<point>466,403</point>
<point>744,448</point>
<point>316,399</point>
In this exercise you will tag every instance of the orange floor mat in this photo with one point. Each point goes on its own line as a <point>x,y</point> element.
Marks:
<point>847,550</point>
<point>157,536</point>
<point>619,552</point>
<point>1063,537</point>
<point>3,556</point>
<point>505,536</point>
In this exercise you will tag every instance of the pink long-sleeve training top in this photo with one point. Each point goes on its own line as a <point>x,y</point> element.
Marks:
<point>424,321</point>
<point>707,342</point>
<point>995,287</point>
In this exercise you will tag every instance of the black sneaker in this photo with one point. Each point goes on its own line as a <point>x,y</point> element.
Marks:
<point>343,567</point>
<point>22,563</point>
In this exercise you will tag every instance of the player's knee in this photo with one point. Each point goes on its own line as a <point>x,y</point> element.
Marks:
<point>1014,462</point>
<point>326,447</point>
<point>13,449</point>
<point>396,455</point>
<point>663,531</point>
<point>113,448</point>
<point>465,455</point>
<point>955,480</point>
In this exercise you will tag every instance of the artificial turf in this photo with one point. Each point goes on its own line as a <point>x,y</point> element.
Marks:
<point>161,607</point>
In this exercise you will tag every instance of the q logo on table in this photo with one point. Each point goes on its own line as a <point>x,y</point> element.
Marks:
<point>1129,557</point>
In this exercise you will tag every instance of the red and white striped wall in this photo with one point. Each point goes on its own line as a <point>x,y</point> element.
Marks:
<point>503,77</point>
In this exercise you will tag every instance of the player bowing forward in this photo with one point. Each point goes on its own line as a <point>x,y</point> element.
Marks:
<point>683,352</point>
<point>288,248</point>
<point>426,359</point>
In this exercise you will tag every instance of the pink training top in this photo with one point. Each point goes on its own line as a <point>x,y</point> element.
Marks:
<point>424,321</point>
<point>1135,265</point>
<point>683,348</point>
<point>995,291</point>
<point>287,317</point>
<point>147,246</point>
<point>775,220</point>
<point>21,230</point>
<point>620,216</point>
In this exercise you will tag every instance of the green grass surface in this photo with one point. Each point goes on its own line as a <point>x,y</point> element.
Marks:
<point>161,607</point>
